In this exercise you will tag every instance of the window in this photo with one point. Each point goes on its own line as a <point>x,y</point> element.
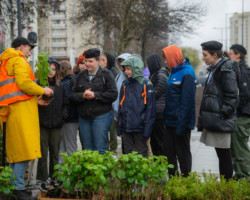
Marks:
<point>73,31</point>
<point>73,40</point>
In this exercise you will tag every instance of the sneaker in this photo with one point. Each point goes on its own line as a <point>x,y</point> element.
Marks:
<point>44,187</point>
<point>53,184</point>
<point>22,195</point>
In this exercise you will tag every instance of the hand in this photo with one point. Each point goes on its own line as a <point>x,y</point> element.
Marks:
<point>88,94</point>
<point>48,92</point>
<point>42,102</point>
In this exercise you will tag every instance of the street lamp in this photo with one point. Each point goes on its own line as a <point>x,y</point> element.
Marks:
<point>221,29</point>
<point>227,14</point>
<point>242,22</point>
<point>19,18</point>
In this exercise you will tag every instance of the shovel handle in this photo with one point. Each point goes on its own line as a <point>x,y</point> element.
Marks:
<point>6,111</point>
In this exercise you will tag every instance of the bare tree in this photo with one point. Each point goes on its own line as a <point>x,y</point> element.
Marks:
<point>143,21</point>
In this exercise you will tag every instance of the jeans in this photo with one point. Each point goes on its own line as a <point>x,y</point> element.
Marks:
<point>94,131</point>
<point>19,169</point>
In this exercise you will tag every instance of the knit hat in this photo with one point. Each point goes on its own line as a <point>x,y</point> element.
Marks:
<point>80,59</point>
<point>239,48</point>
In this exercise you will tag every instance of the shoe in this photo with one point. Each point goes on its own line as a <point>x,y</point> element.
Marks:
<point>44,187</point>
<point>22,195</point>
<point>54,184</point>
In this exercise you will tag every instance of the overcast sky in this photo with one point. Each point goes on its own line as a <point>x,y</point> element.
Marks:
<point>215,18</point>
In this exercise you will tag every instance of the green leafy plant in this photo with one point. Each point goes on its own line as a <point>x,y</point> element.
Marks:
<point>5,181</point>
<point>42,68</point>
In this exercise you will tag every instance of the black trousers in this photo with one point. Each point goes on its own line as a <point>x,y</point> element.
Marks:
<point>157,137</point>
<point>178,148</point>
<point>225,162</point>
<point>135,142</point>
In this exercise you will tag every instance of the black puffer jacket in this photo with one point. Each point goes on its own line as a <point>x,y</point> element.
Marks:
<point>104,87</point>
<point>158,77</point>
<point>220,98</point>
<point>244,86</point>
<point>53,115</point>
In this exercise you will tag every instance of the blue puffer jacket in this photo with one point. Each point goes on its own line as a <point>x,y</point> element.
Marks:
<point>179,109</point>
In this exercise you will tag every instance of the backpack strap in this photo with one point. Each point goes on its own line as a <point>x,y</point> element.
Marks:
<point>144,94</point>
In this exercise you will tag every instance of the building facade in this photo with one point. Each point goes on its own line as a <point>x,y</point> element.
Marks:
<point>239,31</point>
<point>59,34</point>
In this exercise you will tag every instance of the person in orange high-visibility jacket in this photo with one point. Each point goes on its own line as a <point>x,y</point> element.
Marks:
<point>22,127</point>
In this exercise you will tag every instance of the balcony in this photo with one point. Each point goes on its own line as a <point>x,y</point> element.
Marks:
<point>58,17</point>
<point>59,35</point>
<point>63,7</point>
<point>59,44</point>
<point>59,54</point>
<point>58,26</point>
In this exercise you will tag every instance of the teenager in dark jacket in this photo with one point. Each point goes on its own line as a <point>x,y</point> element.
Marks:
<point>239,145</point>
<point>51,119</point>
<point>158,77</point>
<point>217,117</point>
<point>69,130</point>
<point>136,114</point>
<point>94,91</point>
<point>179,111</point>
<point>108,62</point>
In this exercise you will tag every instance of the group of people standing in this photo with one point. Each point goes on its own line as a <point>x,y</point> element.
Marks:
<point>104,96</point>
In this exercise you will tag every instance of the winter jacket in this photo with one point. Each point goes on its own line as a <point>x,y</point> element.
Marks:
<point>158,77</point>
<point>53,115</point>
<point>244,89</point>
<point>22,127</point>
<point>179,109</point>
<point>104,88</point>
<point>220,98</point>
<point>118,80</point>
<point>68,83</point>
<point>137,111</point>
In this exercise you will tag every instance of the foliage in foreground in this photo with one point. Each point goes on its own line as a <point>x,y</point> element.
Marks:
<point>6,186</point>
<point>87,174</point>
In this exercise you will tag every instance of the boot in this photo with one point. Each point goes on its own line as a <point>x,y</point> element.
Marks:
<point>22,195</point>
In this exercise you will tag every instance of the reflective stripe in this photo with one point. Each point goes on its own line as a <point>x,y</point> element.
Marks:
<point>13,94</point>
<point>7,81</point>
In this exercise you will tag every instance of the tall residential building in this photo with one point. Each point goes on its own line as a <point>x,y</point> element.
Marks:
<point>59,34</point>
<point>239,31</point>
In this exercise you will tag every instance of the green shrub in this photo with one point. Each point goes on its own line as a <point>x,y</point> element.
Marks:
<point>87,174</point>
<point>5,182</point>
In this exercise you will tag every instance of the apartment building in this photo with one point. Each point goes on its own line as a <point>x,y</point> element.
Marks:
<point>239,31</point>
<point>59,34</point>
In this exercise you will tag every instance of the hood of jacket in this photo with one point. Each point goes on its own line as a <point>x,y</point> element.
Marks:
<point>154,63</point>
<point>53,60</point>
<point>137,67</point>
<point>110,60</point>
<point>10,53</point>
<point>173,56</point>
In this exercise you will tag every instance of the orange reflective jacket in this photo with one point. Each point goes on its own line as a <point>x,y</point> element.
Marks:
<point>9,91</point>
